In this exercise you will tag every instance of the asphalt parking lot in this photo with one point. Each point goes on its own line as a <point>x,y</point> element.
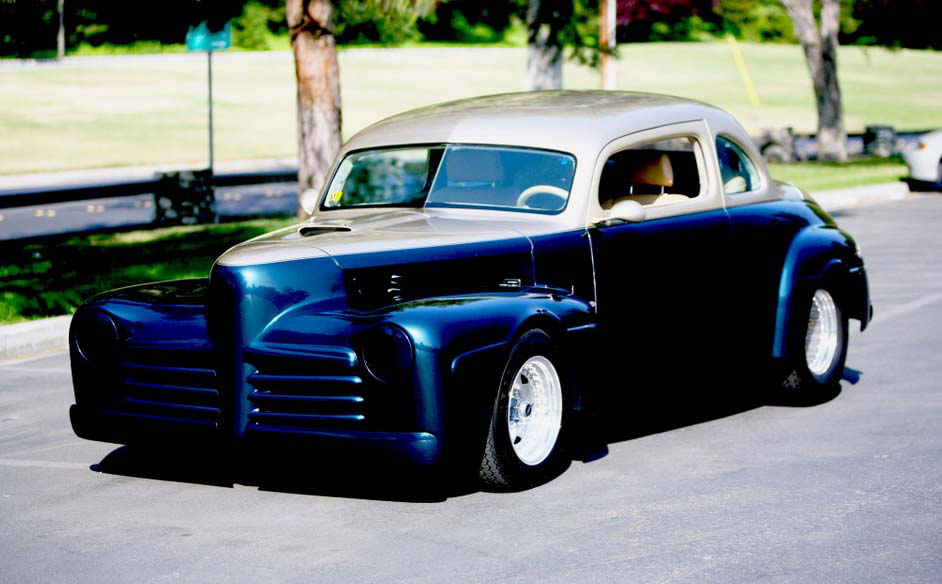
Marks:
<point>845,491</point>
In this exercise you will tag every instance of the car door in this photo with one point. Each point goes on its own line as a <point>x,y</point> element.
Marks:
<point>763,228</point>
<point>661,298</point>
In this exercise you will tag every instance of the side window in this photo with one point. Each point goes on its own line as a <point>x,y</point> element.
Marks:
<point>380,178</point>
<point>655,173</point>
<point>737,170</point>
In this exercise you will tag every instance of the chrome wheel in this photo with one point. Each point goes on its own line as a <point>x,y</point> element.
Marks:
<point>534,410</point>
<point>823,338</point>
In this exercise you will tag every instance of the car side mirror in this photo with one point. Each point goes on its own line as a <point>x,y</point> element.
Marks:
<point>308,201</point>
<point>627,211</point>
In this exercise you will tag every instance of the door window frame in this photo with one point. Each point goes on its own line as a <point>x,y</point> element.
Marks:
<point>710,197</point>
<point>742,152</point>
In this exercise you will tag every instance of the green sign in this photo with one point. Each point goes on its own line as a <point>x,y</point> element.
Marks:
<point>200,38</point>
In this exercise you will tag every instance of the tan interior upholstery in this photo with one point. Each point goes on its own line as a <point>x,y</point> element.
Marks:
<point>665,199</point>
<point>737,184</point>
<point>658,172</point>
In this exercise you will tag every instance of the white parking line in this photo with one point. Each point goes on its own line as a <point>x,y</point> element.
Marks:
<point>911,306</point>
<point>17,368</point>
<point>22,360</point>
<point>50,464</point>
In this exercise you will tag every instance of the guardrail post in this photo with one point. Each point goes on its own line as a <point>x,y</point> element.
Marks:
<point>880,141</point>
<point>778,144</point>
<point>185,197</point>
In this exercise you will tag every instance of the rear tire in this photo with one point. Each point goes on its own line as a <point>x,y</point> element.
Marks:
<point>526,438</point>
<point>818,349</point>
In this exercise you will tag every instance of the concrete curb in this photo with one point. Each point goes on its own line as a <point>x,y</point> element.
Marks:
<point>841,199</point>
<point>26,339</point>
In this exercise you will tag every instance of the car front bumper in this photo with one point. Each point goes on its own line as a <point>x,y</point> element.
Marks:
<point>419,448</point>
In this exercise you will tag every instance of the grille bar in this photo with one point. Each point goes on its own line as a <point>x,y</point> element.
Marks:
<point>169,380</point>
<point>145,367</point>
<point>179,389</point>
<point>337,356</point>
<point>263,380</point>
<point>172,406</point>
<point>255,414</point>
<point>306,387</point>
<point>261,398</point>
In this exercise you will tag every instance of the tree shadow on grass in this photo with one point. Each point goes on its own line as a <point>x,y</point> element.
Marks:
<point>51,277</point>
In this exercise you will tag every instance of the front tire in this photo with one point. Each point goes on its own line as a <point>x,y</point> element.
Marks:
<point>818,349</point>
<point>526,438</point>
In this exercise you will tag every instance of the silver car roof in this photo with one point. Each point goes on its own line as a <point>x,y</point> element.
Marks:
<point>579,122</point>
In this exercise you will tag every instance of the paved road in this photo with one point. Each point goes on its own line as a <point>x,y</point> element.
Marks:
<point>78,216</point>
<point>846,491</point>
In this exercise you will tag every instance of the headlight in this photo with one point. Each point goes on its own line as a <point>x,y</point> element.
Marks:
<point>387,353</point>
<point>96,336</point>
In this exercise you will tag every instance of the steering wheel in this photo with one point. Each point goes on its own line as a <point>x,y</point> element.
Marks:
<point>530,192</point>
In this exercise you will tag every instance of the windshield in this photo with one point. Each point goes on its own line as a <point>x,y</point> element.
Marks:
<point>493,177</point>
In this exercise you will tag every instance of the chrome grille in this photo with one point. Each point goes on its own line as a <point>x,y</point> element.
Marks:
<point>311,387</point>
<point>169,380</point>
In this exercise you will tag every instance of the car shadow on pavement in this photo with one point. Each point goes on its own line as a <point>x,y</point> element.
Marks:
<point>654,414</point>
<point>386,479</point>
<point>666,412</point>
<point>307,474</point>
<point>201,467</point>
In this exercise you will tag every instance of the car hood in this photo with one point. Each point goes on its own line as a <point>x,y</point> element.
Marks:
<point>372,260</point>
<point>386,237</point>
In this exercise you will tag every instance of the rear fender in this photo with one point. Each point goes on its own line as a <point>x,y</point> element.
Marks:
<point>819,256</point>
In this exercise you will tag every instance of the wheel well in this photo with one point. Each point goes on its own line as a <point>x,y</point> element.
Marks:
<point>573,377</point>
<point>542,321</point>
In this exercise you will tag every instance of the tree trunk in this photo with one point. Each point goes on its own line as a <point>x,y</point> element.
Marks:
<point>821,56</point>
<point>60,37</point>
<point>544,56</point>
<point>318,80</point>
<point>608,18</point>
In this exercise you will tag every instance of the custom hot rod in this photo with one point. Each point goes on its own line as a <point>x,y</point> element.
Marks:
<point>479,278</point>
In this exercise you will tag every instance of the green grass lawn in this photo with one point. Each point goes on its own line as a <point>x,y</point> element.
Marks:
<point>152,110</point>
<point>144,110</point>
<point>53,277</point>
<point>823,176</point>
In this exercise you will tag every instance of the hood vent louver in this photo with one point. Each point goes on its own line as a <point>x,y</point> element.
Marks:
<point>312,230</point>
<point>395,288</point>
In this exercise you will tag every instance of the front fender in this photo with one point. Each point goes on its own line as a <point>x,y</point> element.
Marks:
<point>820,255</point>
<point>462,345</point>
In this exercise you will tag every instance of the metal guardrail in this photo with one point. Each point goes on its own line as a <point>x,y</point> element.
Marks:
<point>784,145</point>
<point>24,197</point>
<point>170,198</point>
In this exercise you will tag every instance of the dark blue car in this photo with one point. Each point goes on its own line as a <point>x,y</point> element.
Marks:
<point>479,282</point>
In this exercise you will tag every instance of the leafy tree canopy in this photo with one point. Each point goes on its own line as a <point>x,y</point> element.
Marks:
<point>28,27</point>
